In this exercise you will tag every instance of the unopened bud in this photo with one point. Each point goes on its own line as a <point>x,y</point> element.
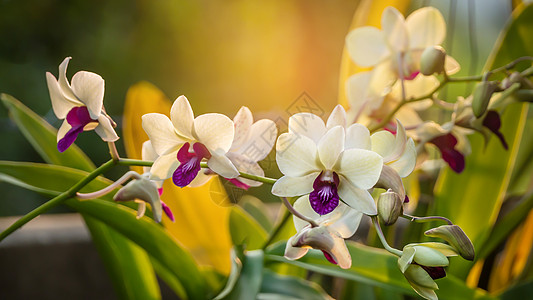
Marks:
<point>432,60</point>
<point>507,82</point>
<point>390,179</point>
<point>523,95</point>
<point>142,189</point>
<point>457,238</point>
<point>481,97</point>
<point>390,207</point>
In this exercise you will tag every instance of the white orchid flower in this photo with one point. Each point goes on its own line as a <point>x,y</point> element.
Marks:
<point>328,162</point>
<point>396,49</point>
<point>183,141</point>
<point>80,104</point>
<point>251,144</point>
<point>328,237</point>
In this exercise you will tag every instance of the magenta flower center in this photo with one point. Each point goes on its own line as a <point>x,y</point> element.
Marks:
<point>189,163</point>
<point>78,117</point>
<point>324,197</point>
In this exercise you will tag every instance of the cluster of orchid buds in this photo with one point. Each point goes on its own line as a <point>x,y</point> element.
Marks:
<point>334,171</point>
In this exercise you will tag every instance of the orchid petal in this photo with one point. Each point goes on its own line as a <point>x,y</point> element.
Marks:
<point>63,82</point>
<point>357,198</point>
<point>393,25</point>
<point>296,155</point>
<point>293,253</point>
<point>243,120</point>
<point>164,166</point>
<point>248,167</point>
<point>347,224</point>
<point>261,138</point>
<point>105,130</point>
<point>182,117</point>
<point>161,132</point>
<point>406,163</point>
<point>451,66</point>
<point>303,206</point>
<point>222,165</point>
<point>366,46</point>
<point>330,146</point>
<point>308,125</point>
<point>340,253</point>
<point>288,186</point>
<point>148,153</point>
<point>89,88</point>
<point>361,167</point>
<point>60,104</point>
<point>426,27</point>
<point>65,127</point>
<point>215,131</point>
<point>357,137</point>
<point>337,117</point>
<point>200,179</point>
<point>382,142</point>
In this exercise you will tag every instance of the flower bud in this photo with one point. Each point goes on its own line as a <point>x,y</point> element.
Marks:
<point>390,207</point>
<point>481,97</point>
<point>507,82</point>
<point>390,179</point>
<point>432,60</point>
<point>142,189</point>
<point>457,238</point>
<point>523,95</point>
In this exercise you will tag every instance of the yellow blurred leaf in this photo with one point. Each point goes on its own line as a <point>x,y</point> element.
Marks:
<point>201,226</point>
<point>368,13</point>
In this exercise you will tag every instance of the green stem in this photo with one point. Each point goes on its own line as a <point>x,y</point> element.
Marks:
<point>249,176</point>
<point>426,219</point>
<point>277,229</point>
<point>382,238</point>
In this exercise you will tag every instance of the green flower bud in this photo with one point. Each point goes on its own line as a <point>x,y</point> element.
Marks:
<point>421,282</point>
<point>390,207</point>
<point>432,60</point>
<point>142,189</point>
<point>481,97</point>
<point>457,238</point>
<point>390,179</point>
<point>523,95</point>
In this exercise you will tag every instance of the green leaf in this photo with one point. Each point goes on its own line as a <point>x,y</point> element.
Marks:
<point>245,230</point>
<point>151,237</point>
<point>275,286</point>
<point>520,291</point>
<point>246,275</point>
<point>376,267</point>
<point>42,136</point>
<point>257,210</point>
<point>473,198</point>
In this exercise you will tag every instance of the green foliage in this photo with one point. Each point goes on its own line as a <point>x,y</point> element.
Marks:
<point>245,230</point>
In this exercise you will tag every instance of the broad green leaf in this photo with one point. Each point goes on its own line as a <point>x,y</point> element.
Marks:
<point>275,286</point>
<point>127,264</point>
<point>151,237</point>
<point>520,291</point>
<point>201,225</point>
<point>42,136</point>
<point>245,230</point>
<point>376,267</point>
<point>246,275</point>
<point>473,198</point>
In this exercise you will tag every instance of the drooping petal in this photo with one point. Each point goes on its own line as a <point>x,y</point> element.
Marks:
<point>105,130</point>
<point>60,104</point>
<point>426,27</point>
<point>357,137</point>
<point>348,222</point>
<point>337,117</point>
<point>357,198</point>
<point>243,120</point>
<point>182,117</point>
<point>261,138</point>
<point>366,46</point>
<point>294,186</point>
<point>161,133</point>
<point>215,131</point>
<point>361,167</point>
<point>69,138</point>
<point>340,253</point>
<point>393,25</point>
<point>164,166</point>
<point>308,125</point>
<point>330,146</point>
<point>293,253</point>
<point>89,88</point>
<point>296,155</point>
<point>222,165</point>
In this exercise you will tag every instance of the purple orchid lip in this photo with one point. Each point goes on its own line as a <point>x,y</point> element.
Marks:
<point>190,163</point>
<point>493,123</point>
<point>78,117</point>
<point>446,144</point>
<point>324,197</point>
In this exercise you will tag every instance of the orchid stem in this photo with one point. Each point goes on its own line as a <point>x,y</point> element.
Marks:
<point>249,176</point>
<point>382,238</point>
<point>113,151</point>
<point>109,188</point>
<point>426,219</point>
<point>296,213</point>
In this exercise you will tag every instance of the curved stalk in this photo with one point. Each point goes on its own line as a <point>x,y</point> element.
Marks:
<point>426,219</point>
<point>381,236</point>
<point>297,213</point>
